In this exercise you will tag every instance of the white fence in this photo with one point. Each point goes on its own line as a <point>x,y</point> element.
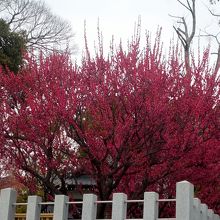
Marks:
<point>187,207</point>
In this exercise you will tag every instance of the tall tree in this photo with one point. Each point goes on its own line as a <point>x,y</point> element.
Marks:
<point>12,47</point>
<point>215,36</point>
<point>132,121</point>
<point>186,31</point>
<point>184,34</point>
<point>43,29</point>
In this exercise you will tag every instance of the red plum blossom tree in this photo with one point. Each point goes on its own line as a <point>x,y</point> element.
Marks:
<point>133,121</point>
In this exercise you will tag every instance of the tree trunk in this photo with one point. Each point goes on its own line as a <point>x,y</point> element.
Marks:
<point>101,211</point>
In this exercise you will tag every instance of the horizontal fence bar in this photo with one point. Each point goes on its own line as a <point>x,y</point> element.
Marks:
<point>42,203</point>
<point>48,214</point>
<point>79,202</point>
<point>104,201</point>
<point>46,203</point>
<point>131,201</point>
<point>97,202</point>
<point>166,200</point>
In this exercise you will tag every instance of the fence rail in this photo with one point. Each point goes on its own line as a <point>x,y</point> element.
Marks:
<point>187,207</point>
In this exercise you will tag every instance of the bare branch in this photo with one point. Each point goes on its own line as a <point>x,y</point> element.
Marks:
<point>212,13</point>
<point>183,33</point>
<point>182,39</point>
<point>184,5</point>
<point>211,35</point>
<point>175,16</point>
<point>43,30</point>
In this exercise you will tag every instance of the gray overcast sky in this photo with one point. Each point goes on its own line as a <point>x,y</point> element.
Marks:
<point>117,17</point>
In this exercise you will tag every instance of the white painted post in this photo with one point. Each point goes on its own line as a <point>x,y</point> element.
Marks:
<point>210,214</point>
<point>216,217</point>
<point>61,208</point>
<point>89,208</point>
<point>151,206</point>
<point>33,208</point>
<point>184,200</point>
<point>196,208</point>
<point>7,208</point>
<point>119,206</point>
<point>204,213</point>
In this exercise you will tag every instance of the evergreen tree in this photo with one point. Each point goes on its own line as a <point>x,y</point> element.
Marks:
<point>12,46</point>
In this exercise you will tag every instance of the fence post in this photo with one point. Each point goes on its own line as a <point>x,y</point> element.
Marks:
<point>33,208</point>
<point>184,200</point>
<point>204,212</point>
<point>7,208</point>
<point>197,208</point>
<point>89,208</point>
<point>216,217</point>
<point>61,208</point>
<point>151,206</point>
<point>210,214</point>
<point>119,206</point>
